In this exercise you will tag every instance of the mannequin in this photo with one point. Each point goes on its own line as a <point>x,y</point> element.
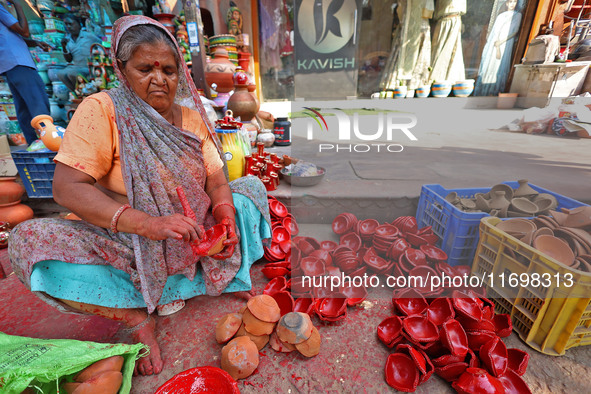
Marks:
<point>447,57</point>
<point>410,57</point>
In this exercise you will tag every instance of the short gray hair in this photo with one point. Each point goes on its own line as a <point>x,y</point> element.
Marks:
<point>143,34</point>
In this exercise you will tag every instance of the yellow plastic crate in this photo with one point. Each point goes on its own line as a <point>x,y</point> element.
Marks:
<point>550,316</point>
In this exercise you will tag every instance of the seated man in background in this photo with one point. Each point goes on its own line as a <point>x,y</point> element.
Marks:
<point>76,46</point>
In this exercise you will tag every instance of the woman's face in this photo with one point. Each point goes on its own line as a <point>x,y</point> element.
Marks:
<point>152,73</point>
<point>511,4</point>
<point>72,27</point>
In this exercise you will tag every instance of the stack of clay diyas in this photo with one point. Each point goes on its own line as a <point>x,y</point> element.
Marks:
<point>258,323</point>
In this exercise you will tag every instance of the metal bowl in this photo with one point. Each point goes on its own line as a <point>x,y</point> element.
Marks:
<point>303,181</point>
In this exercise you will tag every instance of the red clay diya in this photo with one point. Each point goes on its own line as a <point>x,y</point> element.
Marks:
<point>323,255</point>
<point>276,285</point>
<point>420,359</point>
<point>476,380</point>
<point>212,241</point>
<point>343,223</point>
<point>279,346</point>
<point>277,209</point>
<point>454,338</point>
<point>513,383</point>
<point>493,355</point>
<point>294,328</point>
<point>305,305</point>
<point>291,225</point>
<point>328,245</point>
<point>312,266</point>
<point>451,372</point>
<point>212,380</point>
<point>280,234</point>
<point>467,306</point>
<point>274,272</point>
<point>378,264</point>
<point>433,253</point>
<point>284,300</point>
<point>397,248</point>
<point>409,302</point>
<point>503,325</point>
<point>447,359</point>
<point>420,329</point>
<point>355,294</point>
<point>332,309</point>
<point>401,372</point>
<point>264,308</point>
<point>518,360</point>
<point>477,338</point>
<point>440,310</point>
<point>352,241</point>
<point>390,331</point>
<point>227,327</point>
<point>240,357</point>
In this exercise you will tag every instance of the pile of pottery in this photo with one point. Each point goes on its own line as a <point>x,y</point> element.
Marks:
<point>260,322</point>
<point>565,236</point>
<point>12,211</point>
<point>458,339</point>
<point>278,253</point>
<point>504,201</point>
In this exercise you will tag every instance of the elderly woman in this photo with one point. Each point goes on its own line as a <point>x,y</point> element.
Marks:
<point>123,156</point>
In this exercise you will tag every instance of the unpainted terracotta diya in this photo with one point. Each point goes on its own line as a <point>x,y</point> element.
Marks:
<point>259,340</point>
<point>311,346</point>
<point>264,308</point>
<point>256,326</point>
<point>294,328</point>
<point>227,327</point>
<point>279,346</point>
<point>240,357</point>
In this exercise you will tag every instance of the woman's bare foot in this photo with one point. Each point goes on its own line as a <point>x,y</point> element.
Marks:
<point>151,363</point>
<point>245,295</point>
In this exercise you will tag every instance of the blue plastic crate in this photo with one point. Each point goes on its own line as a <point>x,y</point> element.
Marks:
<point>36,171</point>
<point>458,230</point>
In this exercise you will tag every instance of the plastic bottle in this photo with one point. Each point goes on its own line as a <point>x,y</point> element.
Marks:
<point>282,131</point>
<point>233,152</point>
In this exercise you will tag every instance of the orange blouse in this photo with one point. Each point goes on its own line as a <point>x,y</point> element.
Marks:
<point>91,142</point>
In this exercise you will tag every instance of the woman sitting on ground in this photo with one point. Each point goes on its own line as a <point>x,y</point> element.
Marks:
<point>123,156</point>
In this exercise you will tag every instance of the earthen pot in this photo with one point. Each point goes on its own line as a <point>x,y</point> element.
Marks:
<point>294,328</point>
<point>409,302</point>
<point>390,331</point>
<point>241,102</point>
<point>401,372</point>
<point>513,383</point>
<point>256,326</point>
<point>279,346</point>
<point>499,201</point>
<point>509,192</point>
<point>10,191</point>
<point>420,329</point>
<point>524,189</point>
<point>311,346</point>
<point>15,213</point>
<point>105,382</point>
<point>240,357</point>
<point>264,308</point>
<point>220,70</point>
<point>549,245</point>
<point>476,380</point>
<point>227,327</point>
<point>518,360</point>
<point>493,355</point>
<point>453,337</point>
<point>440,310</point>
<point>275,285</point>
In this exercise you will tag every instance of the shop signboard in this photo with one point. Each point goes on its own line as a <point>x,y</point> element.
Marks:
<point>326,41</point>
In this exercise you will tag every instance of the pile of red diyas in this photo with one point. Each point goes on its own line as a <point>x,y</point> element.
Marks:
<point>263,165</point>
<point>457,338</point>
<point>278,253</point>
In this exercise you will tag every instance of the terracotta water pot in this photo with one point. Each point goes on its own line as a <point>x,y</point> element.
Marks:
<point>15,213</point>
<point>220,70</point>
<point>10,191</point>
<point>242,103</point>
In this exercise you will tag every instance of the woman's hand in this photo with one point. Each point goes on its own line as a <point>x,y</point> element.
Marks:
<point>230,242</point>
<point>175,226</point>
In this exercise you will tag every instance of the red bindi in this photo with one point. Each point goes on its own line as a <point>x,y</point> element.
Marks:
<point>156,63</point>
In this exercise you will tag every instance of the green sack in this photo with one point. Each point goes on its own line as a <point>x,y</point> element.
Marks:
<point>43,364</point>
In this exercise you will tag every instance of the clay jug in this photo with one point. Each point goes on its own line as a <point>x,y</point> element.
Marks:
<point>220,70</point>
<point>15,213</point>
<point>242,103</point>
<point>252,90</point>
<point>10,191</point>
<point>50,134</point>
